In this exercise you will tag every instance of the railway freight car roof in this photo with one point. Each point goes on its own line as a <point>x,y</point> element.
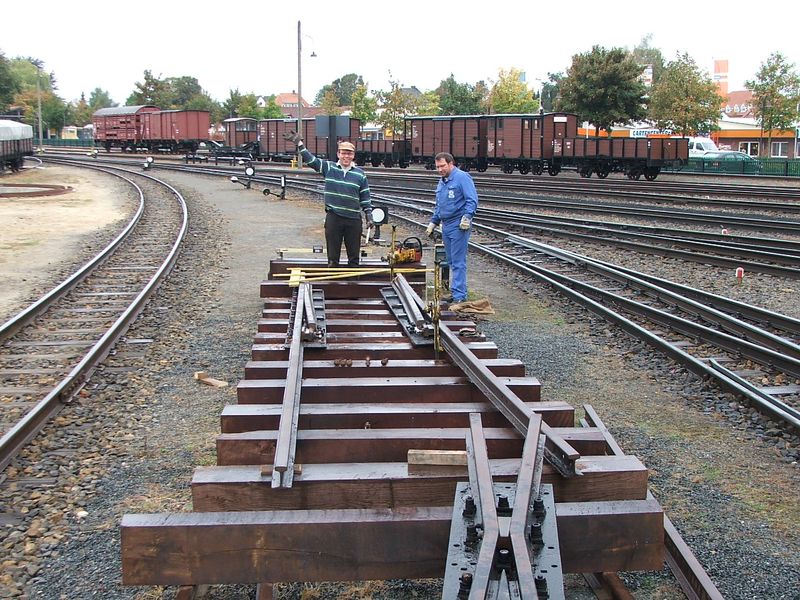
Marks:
<point>121,110</point>
<point>13,130</point>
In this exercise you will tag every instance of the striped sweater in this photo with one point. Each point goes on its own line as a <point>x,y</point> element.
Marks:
<point>346,194</point>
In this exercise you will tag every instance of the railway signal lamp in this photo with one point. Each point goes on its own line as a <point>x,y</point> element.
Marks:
<point>282,195</point>
<point>249,171</point>
<point>147,163</point>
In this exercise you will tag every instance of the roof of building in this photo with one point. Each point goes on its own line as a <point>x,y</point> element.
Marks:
<point>739,104</point>
<point>289,100</point>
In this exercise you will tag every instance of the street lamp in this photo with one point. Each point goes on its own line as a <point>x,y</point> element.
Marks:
<point>300,87</point>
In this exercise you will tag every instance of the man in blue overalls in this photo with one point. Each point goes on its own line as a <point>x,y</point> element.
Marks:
<point>456,202</point>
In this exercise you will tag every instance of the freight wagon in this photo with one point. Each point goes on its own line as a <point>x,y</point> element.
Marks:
<point>146,127</point>
<point>16,142</point>
<point>529,143</point>
<point>274,147</point>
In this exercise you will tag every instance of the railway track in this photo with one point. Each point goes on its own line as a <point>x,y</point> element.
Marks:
<point>359,450</point>
<point>49,350</point>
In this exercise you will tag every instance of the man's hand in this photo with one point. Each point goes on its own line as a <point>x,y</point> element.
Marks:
<point>292,136</point>
<point>370,222</point>
<point>465,223</point>
<point>429,229</point>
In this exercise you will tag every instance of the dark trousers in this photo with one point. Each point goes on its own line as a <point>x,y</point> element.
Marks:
<point>337,229</point>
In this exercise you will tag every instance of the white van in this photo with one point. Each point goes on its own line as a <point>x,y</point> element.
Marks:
<point>698,146</point>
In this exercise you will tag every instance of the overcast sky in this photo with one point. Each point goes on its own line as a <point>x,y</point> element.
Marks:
<point>252,45</point>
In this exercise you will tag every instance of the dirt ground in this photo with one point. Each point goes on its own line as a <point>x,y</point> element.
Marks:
<point>40,235</point>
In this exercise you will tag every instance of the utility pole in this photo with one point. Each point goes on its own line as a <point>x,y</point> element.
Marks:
<point>39,98</point>
<point>299,92</point>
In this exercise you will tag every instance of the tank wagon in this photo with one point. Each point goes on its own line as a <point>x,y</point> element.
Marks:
<point>146,127</point>
<point>529,143</point>
<point>274,147</point>
<point>16,142</point>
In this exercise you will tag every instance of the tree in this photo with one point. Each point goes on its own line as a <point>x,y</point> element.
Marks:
<point>459,98</point>
<point>428,104</point>
<point>82,112</point>
<point>684,99</point>
<point>152,90</point>
<point>182,91</point>
<point>100,98</point>
<point>551,90</point>
<point>396,104</point>
<point>776,93</point>
<point>343,89</point>
<point>645,55</point>
<point>510,94</point>
<point>330,104</point>
<point>271,110</point>
<point>9,86</point>
<point>604,87</point>
<point>365,107</point>
<point>231,105</point>
<point>248,106</point>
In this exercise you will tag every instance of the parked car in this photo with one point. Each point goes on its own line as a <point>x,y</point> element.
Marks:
<point>698,146</point>
<point>730,161</point>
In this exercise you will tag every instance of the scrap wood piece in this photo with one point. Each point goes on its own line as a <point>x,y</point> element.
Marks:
<point>437,457</point>
<point>203,377</point>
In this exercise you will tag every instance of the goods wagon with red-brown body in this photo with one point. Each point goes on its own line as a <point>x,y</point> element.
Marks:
<point>145,127</point>
<point>121,127</point>
<point>275,147</point>
<point>176,130</point>
<point>536,143</point>
<point>240,131</point>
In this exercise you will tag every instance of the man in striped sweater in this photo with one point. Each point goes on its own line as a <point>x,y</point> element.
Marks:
<point>346,195</point>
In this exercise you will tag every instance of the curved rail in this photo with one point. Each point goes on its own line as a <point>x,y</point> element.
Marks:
<point>33,421</point>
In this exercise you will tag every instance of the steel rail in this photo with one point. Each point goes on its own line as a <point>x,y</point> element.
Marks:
<point>691,575</point>
<point>557,451</point>
<point>776,409</point>
<point>34,420</point>
<point>286,445</point>
<point>780,410</point>
<point>26,316</point>
<point>668,296</point>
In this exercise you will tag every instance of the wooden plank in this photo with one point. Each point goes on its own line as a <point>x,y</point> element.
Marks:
<point>335,289</point>
<point>386,485</point>
<point>381,445</point>
<point>383,389</point>
<point>392,351</point>
<point>333,324</point>
<point>611,526</point>
<point>254,547</point>
<point>276,369</point>
<point>250,417</point>
<point>357,545</point>
<point>437,457</point>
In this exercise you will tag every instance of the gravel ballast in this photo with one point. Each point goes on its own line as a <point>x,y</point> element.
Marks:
<point>129,443</point>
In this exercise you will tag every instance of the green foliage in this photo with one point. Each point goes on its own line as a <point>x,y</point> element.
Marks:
<point>776,94</point>
<point>231,105</point>
<point>151,90</point>
<point>551,90</point>
<point>99,98</point>
<point>9,86</point>
<point>365,107</point>
<point>271,110</point>
<point>460,98</point>
<point>684,99</point>
<point>644,54</point>
<point>428,104</point>
<point>396,104</point>
<point>603,87</point>
<point>343,89</point>
<point>82,112</point>
<point>510,95</point>
<point>248,107</point>
<point>330,104</point>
